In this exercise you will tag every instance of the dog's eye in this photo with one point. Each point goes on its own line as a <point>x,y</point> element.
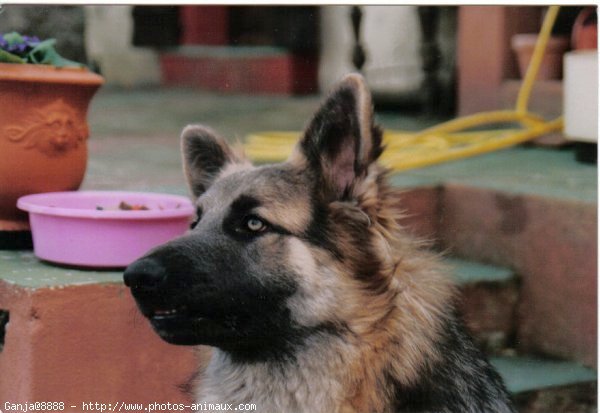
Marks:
<point>255,224</point>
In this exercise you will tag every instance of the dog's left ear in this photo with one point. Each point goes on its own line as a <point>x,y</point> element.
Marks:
<point>205,154</point>
<point>341,140</point>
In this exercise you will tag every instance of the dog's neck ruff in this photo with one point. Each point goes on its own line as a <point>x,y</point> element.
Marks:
<point>306,384</point>
<point>358,370</point>
<point>360,367</point>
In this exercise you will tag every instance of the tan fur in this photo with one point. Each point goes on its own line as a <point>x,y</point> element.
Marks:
<point>390,332</point>
<point>291,210</point>
<point>405,319</point>
<point>296,158</point>
<point>233,167</point>
<point>365,114</point>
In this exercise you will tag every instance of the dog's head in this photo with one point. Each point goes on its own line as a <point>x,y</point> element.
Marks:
<point>277,253</point>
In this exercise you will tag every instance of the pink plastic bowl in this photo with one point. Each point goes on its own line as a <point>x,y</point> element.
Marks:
<point>68,227</point>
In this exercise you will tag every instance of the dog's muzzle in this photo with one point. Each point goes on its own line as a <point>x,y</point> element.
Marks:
<point>145,273</point>
<point>203,300</point>
<point>146,278</point>
<point>175,323</point>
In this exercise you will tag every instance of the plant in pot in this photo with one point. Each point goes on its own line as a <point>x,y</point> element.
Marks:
<point>44,99</point>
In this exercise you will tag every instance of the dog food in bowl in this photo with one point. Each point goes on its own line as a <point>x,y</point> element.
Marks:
<point>124,206</point>
<point>101,228</point>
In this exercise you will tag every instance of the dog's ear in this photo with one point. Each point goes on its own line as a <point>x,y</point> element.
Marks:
<point>341,140</point>
<point>205,154</point>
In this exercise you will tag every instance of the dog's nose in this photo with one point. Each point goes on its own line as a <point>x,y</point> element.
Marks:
<point>144,273</point>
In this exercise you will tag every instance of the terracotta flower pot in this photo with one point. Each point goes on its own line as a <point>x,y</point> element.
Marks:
<point>585,30</point>
<point>43,133</point>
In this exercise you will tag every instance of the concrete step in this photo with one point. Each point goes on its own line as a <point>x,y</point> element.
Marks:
<point>67,333</point>
<point>552,244</point>
<point>539,226</point>
<point>239,69</point>
<point>54,311</point>
<point>488,301</point>
<point>540,385</point>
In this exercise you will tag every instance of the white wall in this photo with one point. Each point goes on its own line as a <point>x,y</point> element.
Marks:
<point>390,36</point>
<point>108,40</point>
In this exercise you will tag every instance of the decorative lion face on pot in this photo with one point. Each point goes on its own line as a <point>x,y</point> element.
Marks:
<point>53,130</point>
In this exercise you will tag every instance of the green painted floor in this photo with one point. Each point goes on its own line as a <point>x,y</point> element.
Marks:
<point>521,170</point>
<point>22,268</point>
<point>135,144</point>
<point>164,112</point>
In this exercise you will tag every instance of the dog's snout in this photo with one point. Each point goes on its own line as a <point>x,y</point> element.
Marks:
<point>145,273</point>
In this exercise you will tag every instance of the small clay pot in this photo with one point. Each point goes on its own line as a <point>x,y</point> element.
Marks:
<point>43,133</point>
<point>585,30</point>
<point>551,66</point>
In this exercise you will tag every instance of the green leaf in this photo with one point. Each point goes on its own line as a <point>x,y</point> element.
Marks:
<point>45,54</point>
<point>6,57</point>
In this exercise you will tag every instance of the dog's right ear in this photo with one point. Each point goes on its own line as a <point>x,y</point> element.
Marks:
<point>205,154</point>
<point>342,140</point>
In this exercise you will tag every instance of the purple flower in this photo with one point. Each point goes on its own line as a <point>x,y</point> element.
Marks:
<point>31,41</point>
<point>18,44</point>
<point>18,48</point>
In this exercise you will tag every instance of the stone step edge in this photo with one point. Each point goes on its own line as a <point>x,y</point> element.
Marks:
<point>469,272</point>
<point>226,52</point>
<point>523,373</point>
<point>464,271</point>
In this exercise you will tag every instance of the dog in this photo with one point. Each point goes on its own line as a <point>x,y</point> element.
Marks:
<point>300,277</point>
